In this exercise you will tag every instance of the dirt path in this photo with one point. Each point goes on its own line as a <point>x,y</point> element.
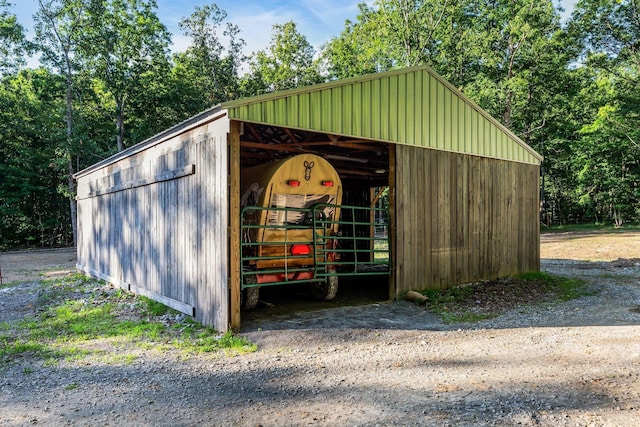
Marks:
<point>24,266</point>
<point>570,364</point>
<point>591,246</point>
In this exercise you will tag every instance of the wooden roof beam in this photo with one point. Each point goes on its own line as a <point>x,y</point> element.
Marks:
<point>272,147</point>
<point>361,147</point>
<point>341,144</point>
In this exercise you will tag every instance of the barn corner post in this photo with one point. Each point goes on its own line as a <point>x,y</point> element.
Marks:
<point>233,139</point>
<point>537,222</point>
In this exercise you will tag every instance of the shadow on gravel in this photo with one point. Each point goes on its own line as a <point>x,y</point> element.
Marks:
<point>360,304</point>
<point>280,394</point>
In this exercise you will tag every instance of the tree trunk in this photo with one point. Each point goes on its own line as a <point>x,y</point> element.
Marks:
<point>120,123</point>
<point>70,170</point>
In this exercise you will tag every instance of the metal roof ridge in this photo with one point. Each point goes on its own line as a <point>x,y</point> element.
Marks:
<point>320,86</point>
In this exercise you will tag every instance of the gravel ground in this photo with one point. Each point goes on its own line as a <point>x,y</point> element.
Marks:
<point>389,363</point>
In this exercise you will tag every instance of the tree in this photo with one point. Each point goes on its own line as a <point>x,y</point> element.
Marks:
<point>516,42</point>
<point>609,177</point>
<point>358,49</point>
<point>287,63</point>
<point>13,45</point>
<point>403,33</point>
<point>208,68</point>
<point>59,31</point>
<point>609,31</point>
<point>32,211</point>
<point>126,40</point>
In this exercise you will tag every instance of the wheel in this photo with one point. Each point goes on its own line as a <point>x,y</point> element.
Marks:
<point>249,296</point>
<point>327,290</point>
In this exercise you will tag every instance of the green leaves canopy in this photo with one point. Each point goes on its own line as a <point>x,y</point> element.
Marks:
<point>13,44</point>
<point>287,63</point>
<point>569,90</point>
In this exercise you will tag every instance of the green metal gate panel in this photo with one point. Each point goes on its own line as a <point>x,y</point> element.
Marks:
<point>358,249</point>
<point>413,106</point>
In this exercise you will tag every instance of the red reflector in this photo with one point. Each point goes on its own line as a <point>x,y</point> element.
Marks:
<point>300,250</point>
<point>294,183</point>
<point>327,183</point>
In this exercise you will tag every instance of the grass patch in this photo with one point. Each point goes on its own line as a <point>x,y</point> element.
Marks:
<point>80,317</point>
<point>489,299</point>
<point>207,340</point>
<point>154,308</point>
<point>10,284</point>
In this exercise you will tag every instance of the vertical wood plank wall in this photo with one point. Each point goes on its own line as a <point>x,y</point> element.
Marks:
<point>156,223</point>
<point>463,218</point>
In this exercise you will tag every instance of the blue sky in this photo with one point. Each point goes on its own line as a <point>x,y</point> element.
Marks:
<point>318,20</point>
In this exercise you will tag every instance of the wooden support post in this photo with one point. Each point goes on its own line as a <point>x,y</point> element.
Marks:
<point>234,224</point>
<point>372,227</point>
<point>393,261</point>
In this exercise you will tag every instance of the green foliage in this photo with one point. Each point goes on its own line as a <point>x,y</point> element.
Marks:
<point>13,45</point>
<point>208,71</point>
<point>609,228</point>
<point>570,91</point>
<point>286,64</point>
<point>77,311</point>
<point>125,42</point>
<point>32,213</point>
<point>208,341</point>
<point>606,161</point>
<point>449,305</point>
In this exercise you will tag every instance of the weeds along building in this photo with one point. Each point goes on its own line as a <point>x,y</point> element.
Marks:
<point>164,218</point>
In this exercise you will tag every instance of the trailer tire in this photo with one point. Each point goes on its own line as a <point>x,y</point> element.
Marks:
<point>249,296</point>
<point>327,290</point>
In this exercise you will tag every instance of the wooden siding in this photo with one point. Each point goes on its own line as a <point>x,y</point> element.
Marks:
<point>462,218</point>
<point>155,222</point>
<point>414,106</point>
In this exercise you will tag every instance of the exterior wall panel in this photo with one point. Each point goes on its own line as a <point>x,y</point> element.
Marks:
<point>155,222</point>
<point>463,218</point>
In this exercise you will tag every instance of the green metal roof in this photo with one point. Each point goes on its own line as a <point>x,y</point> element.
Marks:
<point>412,106</point>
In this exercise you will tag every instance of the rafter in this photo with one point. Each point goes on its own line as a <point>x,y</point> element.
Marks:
<point>253,132</point>
<point>291,135</point>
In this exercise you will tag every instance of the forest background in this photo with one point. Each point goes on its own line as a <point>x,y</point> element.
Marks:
<point>106,79</point>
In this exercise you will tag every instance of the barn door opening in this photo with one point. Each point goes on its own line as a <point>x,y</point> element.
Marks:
<point>364,168</point>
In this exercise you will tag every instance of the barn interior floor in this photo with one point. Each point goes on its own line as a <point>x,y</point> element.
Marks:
<point>290,300</point>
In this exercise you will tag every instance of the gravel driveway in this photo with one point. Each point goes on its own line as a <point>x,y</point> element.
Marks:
<point>391,364</point>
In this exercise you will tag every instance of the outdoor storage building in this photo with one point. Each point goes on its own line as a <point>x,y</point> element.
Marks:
<point>163,217</point>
